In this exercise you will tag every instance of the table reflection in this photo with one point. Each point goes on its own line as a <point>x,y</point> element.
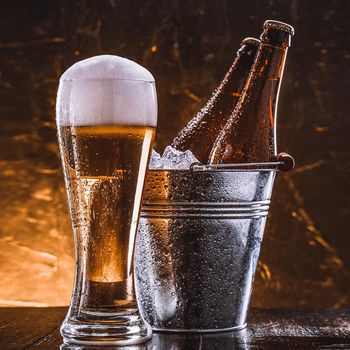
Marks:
<point>160,341</point>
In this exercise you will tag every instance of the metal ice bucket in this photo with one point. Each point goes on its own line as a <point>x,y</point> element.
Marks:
<point>198,246</point>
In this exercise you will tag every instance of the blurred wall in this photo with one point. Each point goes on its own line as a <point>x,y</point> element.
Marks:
<point>188,46</point>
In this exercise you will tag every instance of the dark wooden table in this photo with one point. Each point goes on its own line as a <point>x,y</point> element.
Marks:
<point>38,328</point>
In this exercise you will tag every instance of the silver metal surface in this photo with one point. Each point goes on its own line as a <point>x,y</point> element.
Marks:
<point>233,166</point>
<point>198,245</point>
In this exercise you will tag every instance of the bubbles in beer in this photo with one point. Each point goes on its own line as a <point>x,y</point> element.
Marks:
<point>106,90</point>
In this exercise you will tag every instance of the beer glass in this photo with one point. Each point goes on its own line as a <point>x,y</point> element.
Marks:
<point>104,165</point>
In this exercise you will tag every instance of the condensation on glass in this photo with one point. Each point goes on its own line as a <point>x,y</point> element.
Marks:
<point>104,171</point>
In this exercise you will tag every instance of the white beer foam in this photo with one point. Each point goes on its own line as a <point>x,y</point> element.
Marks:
<point>106,90</point>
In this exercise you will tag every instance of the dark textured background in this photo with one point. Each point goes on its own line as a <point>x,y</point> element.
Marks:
<point>188,46</point>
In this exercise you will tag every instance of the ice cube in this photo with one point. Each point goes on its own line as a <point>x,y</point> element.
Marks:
<point>155,161</point>
<point>172,159</point>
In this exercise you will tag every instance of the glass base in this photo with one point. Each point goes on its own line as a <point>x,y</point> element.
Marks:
<point>100,328</point>
<point>212,330</point>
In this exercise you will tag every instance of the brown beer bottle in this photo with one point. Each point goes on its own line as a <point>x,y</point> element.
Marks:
<point>249,135</point>
<point>200,133</point>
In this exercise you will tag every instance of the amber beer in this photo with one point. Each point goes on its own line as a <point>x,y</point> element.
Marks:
<point>104,171</point>
<point>249,135</point>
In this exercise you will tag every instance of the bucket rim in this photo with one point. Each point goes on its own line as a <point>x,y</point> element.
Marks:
<point>233,167</point>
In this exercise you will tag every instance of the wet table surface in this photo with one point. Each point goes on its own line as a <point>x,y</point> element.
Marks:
<point>38,328</point>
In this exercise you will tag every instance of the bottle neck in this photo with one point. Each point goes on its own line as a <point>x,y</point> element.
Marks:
<point>269,66</point>
<point>234,80</point>
<point>262,89</point>
<point>274,73</point>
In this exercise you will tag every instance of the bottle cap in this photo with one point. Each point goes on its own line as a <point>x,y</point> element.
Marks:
<point>279,26</point>
<point>250,41</point>
<point>277,34</point>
